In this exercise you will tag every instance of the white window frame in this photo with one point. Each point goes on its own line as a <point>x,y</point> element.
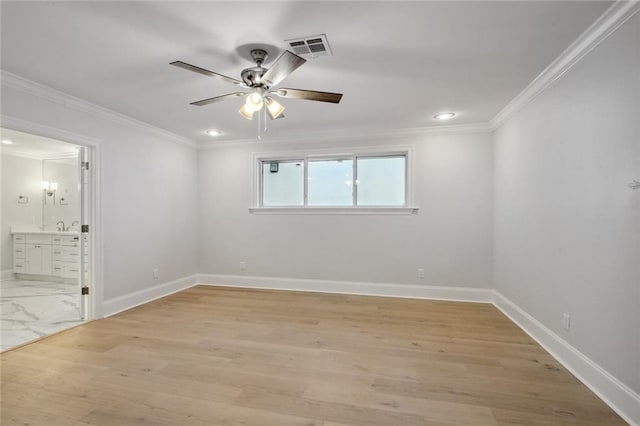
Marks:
<point>353,154</point>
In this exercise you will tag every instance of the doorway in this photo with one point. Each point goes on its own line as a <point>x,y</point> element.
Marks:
<point>45,231</point>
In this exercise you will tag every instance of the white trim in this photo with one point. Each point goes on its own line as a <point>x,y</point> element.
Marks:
<point>603,27</point>
<point>28,86</point>
<point>622,399</point>
<point>6,275</point>
<point>481,295</point>
<point>354,151</point>
<point>97,247</point>
<point>21,125</point>
<point>614,393</point>
<point>140,297</point>
<point>614,17</point>
<point>364,150</point>
<point>354,135</point>
<point>334,210</point>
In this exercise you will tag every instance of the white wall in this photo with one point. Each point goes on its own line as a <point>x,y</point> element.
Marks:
<point>149,192</point>
<point>20,176</point>
<point>567,227</point>
<point>450,237</point>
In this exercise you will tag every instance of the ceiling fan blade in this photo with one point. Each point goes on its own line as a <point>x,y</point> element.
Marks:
<point>208,73</point>
<point>286,63</point>
<point>310,95</point>
<point>217,99</point>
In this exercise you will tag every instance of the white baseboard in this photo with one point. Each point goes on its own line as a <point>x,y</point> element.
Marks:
<point>350,287</point>
<point>622,399</point>
<point>6,274</point>
<point>612,391</point>
<point>128,301</point>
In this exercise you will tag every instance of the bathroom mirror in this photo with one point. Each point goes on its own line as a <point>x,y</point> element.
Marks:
<point>60,194</point>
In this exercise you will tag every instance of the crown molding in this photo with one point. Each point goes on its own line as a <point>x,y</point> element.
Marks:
<point>36,89</point>
<point>355,135</point>
<point>612,19</point>
<point>46,131</point>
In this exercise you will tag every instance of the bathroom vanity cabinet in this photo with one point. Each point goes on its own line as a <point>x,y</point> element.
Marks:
<point>51,254</point>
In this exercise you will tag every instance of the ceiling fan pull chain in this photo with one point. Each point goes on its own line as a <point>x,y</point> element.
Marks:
<point>264,118</point>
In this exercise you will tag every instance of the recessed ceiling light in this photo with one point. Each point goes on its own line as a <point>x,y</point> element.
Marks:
<point>444,116</point>
<point>213,132</point>
<point>7,142</point>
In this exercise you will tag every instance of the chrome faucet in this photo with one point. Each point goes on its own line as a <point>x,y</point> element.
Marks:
<point>60,222</point>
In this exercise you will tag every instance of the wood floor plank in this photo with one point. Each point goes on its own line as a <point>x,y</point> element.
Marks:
<point>431,410</point>
<point>228,356</point>
<point>343,412</point>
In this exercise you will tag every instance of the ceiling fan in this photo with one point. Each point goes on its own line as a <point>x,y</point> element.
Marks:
<point>262,82</point>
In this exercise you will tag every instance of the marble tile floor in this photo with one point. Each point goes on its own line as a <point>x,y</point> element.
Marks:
<point>32,309</point>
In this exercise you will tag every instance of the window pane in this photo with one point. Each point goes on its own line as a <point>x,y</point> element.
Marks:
<point>282,183</point>
<point>330,183</point>
<point>381,181</point>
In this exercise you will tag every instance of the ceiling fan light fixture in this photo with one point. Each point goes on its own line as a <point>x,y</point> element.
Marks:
<point>444,115</point>
<point>246,112</point>
<point>274,108</point>
<point>259,80</point>
<point>254,102</point>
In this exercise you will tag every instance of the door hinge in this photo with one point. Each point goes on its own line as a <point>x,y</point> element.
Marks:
<point>84,228</point>
<point>85,165</point>
<point>85,290</point>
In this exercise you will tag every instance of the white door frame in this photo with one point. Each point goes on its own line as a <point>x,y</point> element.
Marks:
<point>96,291</point>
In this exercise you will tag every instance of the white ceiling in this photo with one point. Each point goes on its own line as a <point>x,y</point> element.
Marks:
<point>397,63</point>
<point>34,146</point>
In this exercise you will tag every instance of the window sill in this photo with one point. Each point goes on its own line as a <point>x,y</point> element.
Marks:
<point>333,210</point>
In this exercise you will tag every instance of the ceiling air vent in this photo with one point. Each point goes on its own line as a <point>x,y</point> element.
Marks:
<point>310,47</point>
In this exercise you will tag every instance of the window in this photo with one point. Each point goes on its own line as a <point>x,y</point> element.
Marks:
<point>283,183</point>
<point>381,181</point>
<point>330,182</point>
<point>334,181</point>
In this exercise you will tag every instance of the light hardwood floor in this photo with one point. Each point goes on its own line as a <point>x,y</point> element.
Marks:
<point>221,356</point>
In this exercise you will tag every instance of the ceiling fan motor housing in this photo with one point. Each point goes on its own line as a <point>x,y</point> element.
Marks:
<point>252,77</point>
<point>260,80</point>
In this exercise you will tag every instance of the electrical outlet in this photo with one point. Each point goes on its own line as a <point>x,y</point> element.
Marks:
<point>420,272</point>
<point>566,321</point>
<point>243,266</point>
<point>156,273</point>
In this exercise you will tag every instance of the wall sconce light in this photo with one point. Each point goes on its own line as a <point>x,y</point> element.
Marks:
<point>49,190</point>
